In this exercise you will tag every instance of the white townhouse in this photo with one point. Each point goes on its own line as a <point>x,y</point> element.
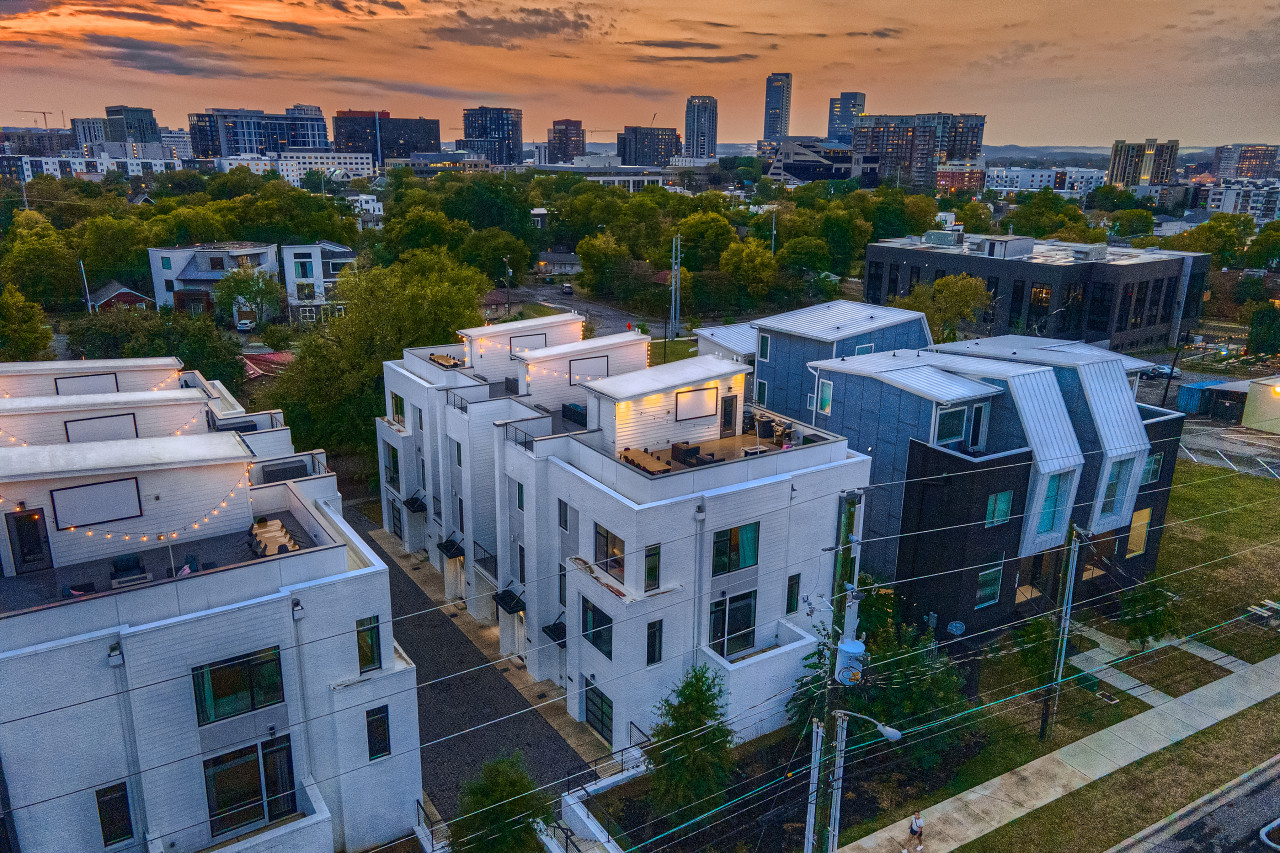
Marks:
<point>183,277</point>
<point>196,649</point>
<point>311,277</point>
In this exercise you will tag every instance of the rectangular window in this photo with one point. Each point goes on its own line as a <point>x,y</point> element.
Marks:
<point>377,726</point>
<point>763,352</point>
<point>564,584</point>
<point>864,349</point>
<point>793,594</point>
<point>417,419</point>
<point>762,392</point>
<point>735,548</point>
<point>808,401</point>
<point>166,262</point>
<point>113,813</point>
<point>652,567</point>
<point>998,506</point>
<point>306,313</point>
<point>653,647</point>
<point>564,515</point>
<point>457,453</point>
<point>237,685</point>
<point>302,269</point>
<point>168,285</point>
<point>1138,533</point>
<point>397,408</point>
<point>950,425</point>
<point>1117,486</point>
<point>462,526</point>
<point>520,562</point>
<point>824,397</point>
<point>610,551</point>
<point>1151,470</point>
<point>217,264</point>
<point>369,643</point>
<point>390,466</point>
<point>520,496</point>
<point>978,427</point>
<point>733,624</point>
<point>989,585</point>
<point>250,785</point>
<point>597,628</point>
<point>1055,495</point>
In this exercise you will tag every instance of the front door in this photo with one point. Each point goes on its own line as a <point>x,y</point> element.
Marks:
<point>728,417</point>
<point>522,642</point>
<point>29,540</point>
<point>454,582</point>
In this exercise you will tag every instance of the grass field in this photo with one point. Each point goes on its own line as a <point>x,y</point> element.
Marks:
<point>1172,671</point>
<point>675,350</point>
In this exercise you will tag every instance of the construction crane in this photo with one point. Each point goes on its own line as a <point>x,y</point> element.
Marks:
<point>602,130</point>
<point>45,113</point>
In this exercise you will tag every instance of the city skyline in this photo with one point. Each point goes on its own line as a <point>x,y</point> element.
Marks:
<point>1034,80</point>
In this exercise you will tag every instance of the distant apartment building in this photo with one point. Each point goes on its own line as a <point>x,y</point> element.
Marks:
<point>648,146</point>
<point>1259,199</point>
<point>22,168</point>
<point>37,141</point>
<point>839,113</point>
<point>777,105</point>
<point>1246,162</point>
<point>376,132</point>
<point>495,133</point>
<point>910,148</point>
<point>214,642</point>
<point>294,165</point>
<point>132,124</point>
<point>220,132</point>
<point>1149,163</point>
<point>183,277</point>
<point>311,279</point>
<point>700,126</point>
<point>1086,291</point>
<point>87,131</point>
<point>799,161</point>
<point>968,175</point>
<point>565,140</point>
<point>177,142</point>
<point>1067,181</point>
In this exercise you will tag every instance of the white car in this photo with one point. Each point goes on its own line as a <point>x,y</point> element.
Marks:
<point>244,325</point>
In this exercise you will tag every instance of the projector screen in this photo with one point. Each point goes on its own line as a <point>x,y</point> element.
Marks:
<point>596,367</point>
<point>524,343</point>
<point>105,428</point>
<point>93,383</point>
<point>701,403</point>
<point>96,503</point>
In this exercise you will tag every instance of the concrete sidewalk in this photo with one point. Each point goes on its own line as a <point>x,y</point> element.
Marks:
<point>964,817</point>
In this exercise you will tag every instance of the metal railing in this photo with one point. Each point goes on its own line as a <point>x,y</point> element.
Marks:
<point>485,559</point>
<point>455,400</point>
<point>519,437</point>
<point>563,836</point>
<point>438,829</point>
<point>319,465</point>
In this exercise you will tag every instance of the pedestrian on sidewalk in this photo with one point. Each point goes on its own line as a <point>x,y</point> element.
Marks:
<point>917,832</point>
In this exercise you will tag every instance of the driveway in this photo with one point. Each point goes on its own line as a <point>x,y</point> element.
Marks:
<point>439,648</point>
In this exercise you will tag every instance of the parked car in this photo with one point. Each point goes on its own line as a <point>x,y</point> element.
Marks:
<point>566,289</point>
<point>244,325</point>
<point>1160,371</point>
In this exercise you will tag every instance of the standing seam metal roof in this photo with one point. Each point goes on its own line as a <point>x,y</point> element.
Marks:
<point>739,337</point>
<point>835,321</point>
<point>1115,414</point>
<point>913,375</point>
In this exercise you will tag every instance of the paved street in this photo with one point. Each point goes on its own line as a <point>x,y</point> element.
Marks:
<point>439,648</point>
<point>606,319</point>
<point>1232,826</point>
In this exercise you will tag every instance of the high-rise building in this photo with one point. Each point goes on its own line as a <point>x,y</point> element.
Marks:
<point>849,104</point>
<point>376,132</point>
<point>131,124</point>
<point>1243,162</point>
<point>910,148</point>
<point>178,141</point>
<point>565,140</point>
<point>777,105</point>
<point>37,141</point>
<point>1142,164</point>
<point>700,126</point>
<point>237,132</point>
<point>496,133</point>
<point>648,146</point>
<point>89,130</point>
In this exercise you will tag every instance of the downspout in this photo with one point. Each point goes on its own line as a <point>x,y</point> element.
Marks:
<point>699,549</point>
<point>813,418</point>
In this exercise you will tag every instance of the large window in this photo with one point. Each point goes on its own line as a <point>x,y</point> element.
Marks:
<point>377,725</point>
<point>762,392</point>
<point>653,644</point>
<point>733,624</point>
<point>237,685</point>
<point>793,594</point>
<point>652,567</point>
<point>599,710</point>
<point>1151,470</point>
<point>391,466</point>
<point>998,506</point>
<point>302,269</point>
<point>762,354</point>
<point>1138,533</point>
<point>824,397</point>
<point>250,785</point>
<point>597,628</point>
<point>369,644</point>
<point>950,425</point>
<point>564,515</point>
<point>1117,486</point>
<point>397,409</point>
<point>989,585</point>
<point>1055,498</point>
<point>735,548</point>
<point>610,552</point>
<point>113,814</point>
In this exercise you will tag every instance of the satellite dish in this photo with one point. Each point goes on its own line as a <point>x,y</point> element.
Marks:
<point>955,628</point>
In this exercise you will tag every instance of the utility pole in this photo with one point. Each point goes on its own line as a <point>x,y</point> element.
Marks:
<point>87,306</point>
<point>1168,380</point>
<point>815,761</point>
<point>837,782</point>
<point>1064,629</point>
<point>773,234</point>
<point>25,204</point>
<point>674,317</point>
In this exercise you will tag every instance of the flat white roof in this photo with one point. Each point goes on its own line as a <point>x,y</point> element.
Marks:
<point>118,400</point>
<point>518,326</point>
<point>914,373</point>
<point>837,320</point>
<point>738,337</point>
<point>579,347</point>
<point>1053,351</point>
<point>677,374</point>
<point>49,461</point>
<point>85,366</point>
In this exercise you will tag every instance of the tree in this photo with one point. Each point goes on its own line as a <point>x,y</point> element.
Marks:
<point>922,213</point>
<point>312,181</point>
<point>948,302</point>
<point>1038,653</point>
<point>23,333</point>
<point>1264,330</point>
<point>127,333</point>
<point>803,255</point>
<point>1131,223</point>
<point>1109,197</point>
<point>257,288</point>
<point>1264,251</point>
<point>1224,236</point>
<point>605,265</point>
<point>750,265</point>
<point>495,252</point>
<point>1148,613</point>
<point>38,262</point>
<point>691,746</point>
<point>500,809</point>
<point>421,228</point>
<point>703,239</point>
<point>115,248</point>
<point>975,217</point>
<point>233,183</point>
<point>1042,213</point>
<point>847,235</point>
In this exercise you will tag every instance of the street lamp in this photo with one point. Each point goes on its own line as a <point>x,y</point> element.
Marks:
<point>888,732</point>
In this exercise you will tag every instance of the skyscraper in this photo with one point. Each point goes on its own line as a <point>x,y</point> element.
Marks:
<point>648,146</point>
<point>495,132</point>
<point>1142,164</point>
<point>89,130</point>
<point>1232,162</point>
<point>377,133</point>
<point>910,147</point>
<point>700,126</point>
<point>220,132</point>
<point>777,105</point>
<point>565,140</point>
<point>844,108</point>
<point>131,124</point>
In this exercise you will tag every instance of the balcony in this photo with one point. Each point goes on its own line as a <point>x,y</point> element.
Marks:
<point>486,561</point>
<point>768,669</point>
<point>462,397</point>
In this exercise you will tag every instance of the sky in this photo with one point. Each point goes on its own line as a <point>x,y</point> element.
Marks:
<point>1070,72</point>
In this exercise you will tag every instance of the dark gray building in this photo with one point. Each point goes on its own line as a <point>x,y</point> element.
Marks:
<point>131,124</point>
<point>801,160</point>
<point>220,132</point>
<point>910,147</point>
<point>840,113</point>
<point>648,146</point>
<point>565,140</point>
<point>777,105</point>
<point>700,126</point>
<point>496,133</point>
<point>1084,291</point>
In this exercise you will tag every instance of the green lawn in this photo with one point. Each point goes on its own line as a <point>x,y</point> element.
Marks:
<point>1172,671</point>
<point>675,350</point>
<point>537,309</point>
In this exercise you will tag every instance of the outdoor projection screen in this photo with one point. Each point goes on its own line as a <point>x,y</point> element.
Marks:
<point>595,367</point>
<point>700,403</point>
<point>524,343</point>
<point>107,428</point>
<point>93,383</point>
<point>96,503</point>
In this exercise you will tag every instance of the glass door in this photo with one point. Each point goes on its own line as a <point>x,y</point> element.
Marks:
<point>599,710</point>
<point>29,540</point>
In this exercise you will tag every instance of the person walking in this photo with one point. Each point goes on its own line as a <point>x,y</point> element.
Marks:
<point>917,832</point>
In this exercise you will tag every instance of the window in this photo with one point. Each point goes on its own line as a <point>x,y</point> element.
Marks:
<point>864,349</point>
<point>417,419</point>
<point>978,427</point>
<point>168,285</point>
<point>1151,470</point>
<point>369,643</point>
<point>733,624</point>
<point>599,710</point>
<point>1138,533</point>
<point>597,628</point>
<point>824,397</point>
<point>397,409</point>
<point>808,401</point>
<point>762,392</point>
<point>950,426</point>
<point>652,568</point>
<point>217,264</point>
<point>457,453</point>
<point>113,813</point>
<point>564,584</point>
<point>462,526</point>
<point>989,585</point>
<point>391,466</point>
<point>302,269</point>
<point>610,551</point>
<point>564,515</point>
<point>166,262</point>
<point>793,594</point>
<point>306,291</point>
<point>377,726</point>
<point>1055,496</point>
<point>250,785</point>
<point>307,314</point>
<point>763,352</point>
<point>520,562</point>
<point>653,647</point>
<point>998,506</point>
<point>520,496</point>
<point>735,548</point>
<point>237,685</point>
<point>1117,486</point>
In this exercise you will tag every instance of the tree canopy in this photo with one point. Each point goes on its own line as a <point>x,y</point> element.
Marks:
<point>691,745</point>
<point>500,808</point>
<point>24,335</point>
<point>946,303</point>
<point>123,332</point>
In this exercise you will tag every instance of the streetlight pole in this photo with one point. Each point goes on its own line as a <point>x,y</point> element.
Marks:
<point>815,762</point>
<point>1064,629</point>
<point>837,774</point>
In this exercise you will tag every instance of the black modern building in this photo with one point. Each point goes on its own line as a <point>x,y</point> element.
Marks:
<point>840,115</point>
<point>376,132</point>
<point>496,133</point>
<point>801,160</point>
<point>565,140</point>
<point>220,132</point>
<point>648,146</point>
<point>1082,291</point>
<point>131,124</point>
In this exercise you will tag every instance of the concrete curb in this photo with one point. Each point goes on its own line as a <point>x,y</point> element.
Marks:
<point>1163,830</point>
